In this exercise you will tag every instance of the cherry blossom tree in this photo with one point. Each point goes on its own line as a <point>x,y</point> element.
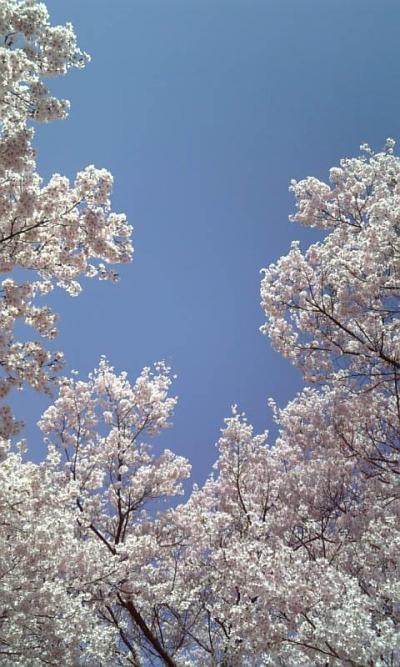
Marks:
<point>296,544</point>
<point>55,233</point>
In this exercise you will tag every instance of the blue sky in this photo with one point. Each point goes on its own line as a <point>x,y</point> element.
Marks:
<point>204,110</point>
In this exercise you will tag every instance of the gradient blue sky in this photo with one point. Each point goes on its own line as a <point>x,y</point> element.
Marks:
<point>204,110</point>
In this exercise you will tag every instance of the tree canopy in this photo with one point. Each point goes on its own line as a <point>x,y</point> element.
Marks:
<point>288,555</point>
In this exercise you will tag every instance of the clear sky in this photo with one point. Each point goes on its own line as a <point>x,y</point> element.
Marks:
<point>204,110</point>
